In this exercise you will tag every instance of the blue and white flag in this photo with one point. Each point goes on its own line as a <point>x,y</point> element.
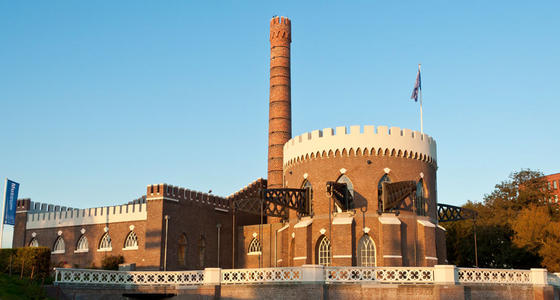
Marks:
<point>10,202</point>
<point>417,87</point>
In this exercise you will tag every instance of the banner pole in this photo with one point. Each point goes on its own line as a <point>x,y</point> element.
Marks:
<point>3,212</point>
<point>420,91</point>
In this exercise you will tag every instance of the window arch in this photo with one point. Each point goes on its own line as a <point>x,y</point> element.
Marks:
<point>421,208</point>
<point>82,245</point>
<point>182,250</point>
<point>34,243</point>
<point>348,201</point>
<point>255,247</point>
<point>201,250</point>
<point>105,243</point>
<point>366,252</point>
<point>306,185</point>
<point>384,178</point>
<point>131,241</point>
<point>59,246</point>
<point>323,254</point>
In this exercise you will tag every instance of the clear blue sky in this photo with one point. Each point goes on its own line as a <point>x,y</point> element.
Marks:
<point>99,99</point>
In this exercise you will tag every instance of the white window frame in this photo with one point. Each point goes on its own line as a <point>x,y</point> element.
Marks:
<point>34,242</point>
<point>255,247</point>
<point>324,253</point>
<point>105,244</point>
<point>367,249</point>
<point>57,246</point>
<point>131,241</point>
<point>80,244</point>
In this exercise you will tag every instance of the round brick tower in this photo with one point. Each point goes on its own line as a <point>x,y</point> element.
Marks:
<point>280,110</point>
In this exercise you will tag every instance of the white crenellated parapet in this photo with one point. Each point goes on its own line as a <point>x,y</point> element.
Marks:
<point>88,216</point>
<point>384,141</point>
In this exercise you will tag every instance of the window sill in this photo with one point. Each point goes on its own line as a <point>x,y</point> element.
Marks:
<point>254,253</point>
<point>81,251</point>
<point>105,250</point>
<point>58,252</point>
<point>130,248</point>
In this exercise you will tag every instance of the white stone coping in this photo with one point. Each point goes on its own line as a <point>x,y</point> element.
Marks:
<point>389,220</point>
<point>303,223</point>
<point>426,223</point>
<point>342,220</point>
<point>384,138</point>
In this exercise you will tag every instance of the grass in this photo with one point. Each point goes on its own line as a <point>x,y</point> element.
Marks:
<point>11,287</point>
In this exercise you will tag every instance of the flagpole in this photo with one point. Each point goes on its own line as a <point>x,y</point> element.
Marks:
<point>3,212</point>
<point>421,117</point>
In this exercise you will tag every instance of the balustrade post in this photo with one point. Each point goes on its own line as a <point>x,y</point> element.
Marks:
<point>212,276</point>
<point>539,276</point>
<point>446,274</point>
<point>313,273</point>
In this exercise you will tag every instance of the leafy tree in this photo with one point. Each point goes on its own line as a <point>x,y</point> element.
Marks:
<point>508,234</point>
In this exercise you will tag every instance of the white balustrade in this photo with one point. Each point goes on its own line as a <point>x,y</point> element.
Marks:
<point>306,274</point>
<point>475,275</point>
<point>380,274</point>
<point>262,275</point>
<point>87,276</point>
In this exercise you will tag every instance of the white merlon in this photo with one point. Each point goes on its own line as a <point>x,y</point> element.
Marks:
<point>389,220</point>
<point>426,223</point>
<point>88,216</point>
<point>414,143</point>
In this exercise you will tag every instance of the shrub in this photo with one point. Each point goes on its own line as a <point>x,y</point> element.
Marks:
<point>112,262</point>
<point>26,261</point>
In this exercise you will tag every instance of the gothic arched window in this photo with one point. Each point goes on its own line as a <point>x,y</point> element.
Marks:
<point>131,241</point>
<point>255,247</point>
<point>385,178</point>
<point>34,243</point>
<point>82,245</point>
<point>421,208</point>
<point>366,252</point>
<point>182,250</point>
<point>348,202</point>
<point>307,186</point>
<point>324,251</point>
<point>58,246</point>
<point>105,243</point>
<point>201,250</point>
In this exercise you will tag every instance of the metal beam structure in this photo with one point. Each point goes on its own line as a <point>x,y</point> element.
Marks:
<point>393,194</point>
<point>275,202</point>
<point>450,213</point>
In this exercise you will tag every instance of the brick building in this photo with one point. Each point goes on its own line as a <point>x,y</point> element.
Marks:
<point>175,228</point>
<point>553,186</point>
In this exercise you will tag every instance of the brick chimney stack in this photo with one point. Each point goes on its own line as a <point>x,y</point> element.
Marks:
<point>280,106</point>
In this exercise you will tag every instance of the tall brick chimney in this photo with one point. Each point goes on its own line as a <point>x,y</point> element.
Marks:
<point>280,106</point>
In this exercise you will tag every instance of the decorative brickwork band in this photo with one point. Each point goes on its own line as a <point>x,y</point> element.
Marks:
<point>280,111</point>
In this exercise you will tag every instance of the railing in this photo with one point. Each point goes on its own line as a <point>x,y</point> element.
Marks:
<point>104,277</point>
<point>264,275</point>
<point>379,274</point>
<point>554,279</point>
<point>474,275</point>
<point>440,274</point>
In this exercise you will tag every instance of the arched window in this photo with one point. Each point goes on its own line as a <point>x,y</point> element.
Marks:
<point>254,247</point>
<point>201,250</point>
<point>182,250</point>
<point>105,243</point>
<point>131,241</point>
<point>366,252</point>
<point>348,201</point>
<point>34,243</point>
<point>82,245</point>
<point>420,200</point>
<point>385,178</point>
<point>58,246</point>
<point>324,251</point>
<point>307,186</point>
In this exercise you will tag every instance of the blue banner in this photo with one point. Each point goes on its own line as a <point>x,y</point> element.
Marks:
<point>12,189</point>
